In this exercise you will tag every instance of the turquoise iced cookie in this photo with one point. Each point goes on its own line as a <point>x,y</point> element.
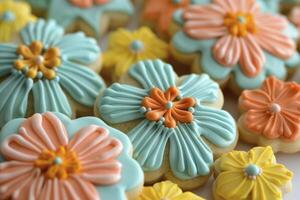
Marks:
<point>47,70</point>
<point>186,42</point>
<point>66,13</point>
<point>171,112</point>
<point>75,159</point>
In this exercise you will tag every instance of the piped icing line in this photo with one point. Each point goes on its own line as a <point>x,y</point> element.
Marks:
<point>174,112</point>
<point>49,64</point>
<point>254,174</point>
<point>13,17</point>
<point>247,55</point>
<point>87,156</point>
<point>125,48</point>
<point>273,110</point>
<point>166,190</point>
<point>65,13</point>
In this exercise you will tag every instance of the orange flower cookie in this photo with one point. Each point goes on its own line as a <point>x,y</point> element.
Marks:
<point>271,115</point>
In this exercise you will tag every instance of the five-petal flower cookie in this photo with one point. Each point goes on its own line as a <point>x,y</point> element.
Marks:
<point>166,190</point>
<point>251,175</point>
<point>48,156</point>
<point>126,48</point>
<point>13,17</point>
<point>172,120</point>
<point>271,115</point>
<point>47,71</point>
<point>236,41</point>
<point>93,17</point>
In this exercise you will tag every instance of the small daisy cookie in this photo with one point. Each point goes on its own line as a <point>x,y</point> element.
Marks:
<point>47,71</point>
<point>128,47</point>
<point>49,156</point>
<point>94,17</point>
<point>271,115</point>
<point>166,191</point>
<point>255,174</point>
<point>14,16</point>
<point>236,43</point>
<point>175,124</point>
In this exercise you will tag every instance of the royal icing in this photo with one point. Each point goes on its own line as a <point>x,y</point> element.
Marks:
<point>186,121</point>
<point>250,175</point>
<point>45,62</point>
<point>66,13</point>
<point>273,110</point>
<point>82,159</point>
<point>87,3</point>
<point>13,17</point>
<point>126,48</point>
<point>160,12</point>
<point>236,37</point>
<point>166,190</point>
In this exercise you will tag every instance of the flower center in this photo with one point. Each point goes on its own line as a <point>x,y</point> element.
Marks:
<point>240,24</point>
<point>36,62</point>
<point>252,171</point>
<point>8,16</point>
<point>167,108</point>
<point>275,108</point>
<point>58,164</point>
<point>136,46</point>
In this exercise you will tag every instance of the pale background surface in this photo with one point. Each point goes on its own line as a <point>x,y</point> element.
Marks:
<point>291,161</point>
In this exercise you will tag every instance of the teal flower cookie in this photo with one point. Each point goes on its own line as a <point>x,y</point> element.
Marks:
<point>172,119</point>
<point>47,72</point>
<point>96,15</point>
<point>49,156</point>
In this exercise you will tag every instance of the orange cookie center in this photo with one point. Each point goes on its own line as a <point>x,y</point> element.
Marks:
<point>58,164</point>
<point>240,24</point>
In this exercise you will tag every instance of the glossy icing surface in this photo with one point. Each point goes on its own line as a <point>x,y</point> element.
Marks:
<point>103,154</point>
<point>44,75</point>
<point>128,47</point>
<point>66,13</point>
<point>272,110</point>
<point>166,190</point>
<point>238,43</point>
<point>251,175</point>
<point>13,17</point>
<point>189,155</point>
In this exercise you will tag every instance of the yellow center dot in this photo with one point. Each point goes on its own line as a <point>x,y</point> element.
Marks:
<point>240,24</point>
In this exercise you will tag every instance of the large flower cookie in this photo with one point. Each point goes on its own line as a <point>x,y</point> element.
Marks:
<point>251,175</point>
<point>13,17</point>
<point>271,115</point>
<point>47,72</point>
<point>93,17</point>
<point>48,156</point>
<point>235,41</point>
<point>126,48</point>
<point>175,124</point>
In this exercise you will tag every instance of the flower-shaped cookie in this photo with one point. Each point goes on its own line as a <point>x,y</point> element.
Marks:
<point>160,12</point>
<point>166,190</point>
<point>126,48</point>
<point>250,175</point>
<point>237,41</point>
<point>272,113</point>
<point>80,159</point>
<point>38,68</point>
<point>96,16</point>
<point>13,17</point>
<point>183,113</point>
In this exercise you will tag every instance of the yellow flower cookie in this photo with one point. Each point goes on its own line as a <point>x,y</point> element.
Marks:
<point>126,48</point>
<point>251,175</point>
<point>13,17</point>
<point>166,190</point>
